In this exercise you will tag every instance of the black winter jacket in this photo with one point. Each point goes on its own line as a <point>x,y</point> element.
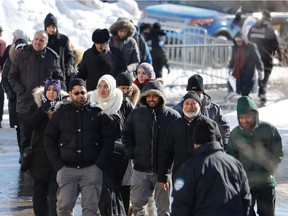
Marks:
<point>142,134</point>
<point>211,183</point>
<point>178,145</point>
<point>79,137</point>
<point>94,65</point>
<point>29,70</point>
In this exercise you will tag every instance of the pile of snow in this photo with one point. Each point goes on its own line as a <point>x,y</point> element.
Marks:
<point>76,18</point>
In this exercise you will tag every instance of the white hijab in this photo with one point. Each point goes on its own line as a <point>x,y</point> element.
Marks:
<point>113,102</point>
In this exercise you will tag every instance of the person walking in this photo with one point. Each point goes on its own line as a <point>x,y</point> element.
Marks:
<point>2,49</point>
<point>79,142</point>
<point>176,147</point>
<point>208,108</point>
<point>100,59</point>
<point>46,100</point>
<point>122,32</point>
<point>145,73</point>
<point>263,35</point>
<point>258,146</point>
<point>60,43</point>
<point>244,61</point>
<point>11,95</point>
<point>156,40</point>
<point>30,68</point>
<point>142,134</point>
<point>210,182</point>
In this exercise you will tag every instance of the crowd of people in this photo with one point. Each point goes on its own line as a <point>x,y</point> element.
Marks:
<point>99,126</point>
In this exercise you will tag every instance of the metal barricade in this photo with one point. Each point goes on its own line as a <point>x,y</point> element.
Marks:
<point>191,50</point>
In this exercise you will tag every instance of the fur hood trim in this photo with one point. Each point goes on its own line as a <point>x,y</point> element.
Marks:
<point>38,92</point>
<point>122,23</point>
<point>135,95</point>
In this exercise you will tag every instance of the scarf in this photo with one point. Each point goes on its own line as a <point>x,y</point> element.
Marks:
<point>239,61</point>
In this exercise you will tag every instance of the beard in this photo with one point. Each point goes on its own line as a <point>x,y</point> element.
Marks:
<point>191,114</point>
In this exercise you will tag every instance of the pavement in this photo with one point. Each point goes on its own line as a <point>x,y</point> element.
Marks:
<point>16,187</point>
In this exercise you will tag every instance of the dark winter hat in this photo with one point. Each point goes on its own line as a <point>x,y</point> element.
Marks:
<point>204,132</point>
<point>20,43</point>
<point>144,26</point>
<point>148,68</point>
<point>266,14</point>
<point>50,20</point>
<point>124,79</point>
<point>1,28</point>
<point>100,36</point>
<point>77,81</point>
<point>195,83</point>
<point>192,95</point>
<point>55,83</point>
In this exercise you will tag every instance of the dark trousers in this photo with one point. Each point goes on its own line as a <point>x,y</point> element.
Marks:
<point>265,200</point>
<point>44,197</point>
<point>1,102</point>
<point>268,66</point>
<point>25,133</point>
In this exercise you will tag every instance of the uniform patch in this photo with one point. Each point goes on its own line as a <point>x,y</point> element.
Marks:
<point>179,183</point>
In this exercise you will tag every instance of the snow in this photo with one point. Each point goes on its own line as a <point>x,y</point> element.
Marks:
<point>78,20</point>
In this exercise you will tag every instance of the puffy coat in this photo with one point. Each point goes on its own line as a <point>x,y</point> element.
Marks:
<point>79,137</point>
<point>30,70</point>
<point>146,128</point>
<point>259,151</point>
<point>211,183</point>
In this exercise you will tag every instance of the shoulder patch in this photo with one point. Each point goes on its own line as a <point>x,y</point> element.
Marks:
<point>179,183</point>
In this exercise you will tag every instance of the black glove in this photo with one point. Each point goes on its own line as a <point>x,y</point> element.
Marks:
<point>46,106</point>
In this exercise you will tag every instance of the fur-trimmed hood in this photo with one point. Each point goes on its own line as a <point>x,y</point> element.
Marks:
<point>135,95</point>
<point>38,92</point>
<point>152,86</point>
<point>12,52</point>
<point>122,23</point>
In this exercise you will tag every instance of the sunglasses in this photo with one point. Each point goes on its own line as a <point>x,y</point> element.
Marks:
<point>77,93</point>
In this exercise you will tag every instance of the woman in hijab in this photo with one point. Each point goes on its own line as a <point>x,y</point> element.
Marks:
<point>46,100</point>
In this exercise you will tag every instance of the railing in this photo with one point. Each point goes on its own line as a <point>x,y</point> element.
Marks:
<point>191,50</point>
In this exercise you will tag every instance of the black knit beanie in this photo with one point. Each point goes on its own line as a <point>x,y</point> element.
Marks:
<point>192,95</point>
<point>124,79</point>
<point>77,81</point>
<point>195,83</point>
<point>100,36</point>
<point>50,20</point>
<point>204,132</point>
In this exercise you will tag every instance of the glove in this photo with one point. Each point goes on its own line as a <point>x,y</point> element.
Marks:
<point>46,106</point>
<point>260,75</point>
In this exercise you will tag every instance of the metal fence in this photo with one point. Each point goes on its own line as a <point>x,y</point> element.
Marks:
<point>191,50</point>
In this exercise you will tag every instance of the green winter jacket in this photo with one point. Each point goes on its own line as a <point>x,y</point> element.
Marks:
<point>259,151</point>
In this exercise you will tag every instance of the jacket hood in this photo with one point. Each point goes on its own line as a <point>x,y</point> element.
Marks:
<point>242,36</point>
<point>245,105</point>
<point>135,94</point>
<point>122,23</point>
<point>12,52</point>
<point>152,86</point>
<point>38,92</point>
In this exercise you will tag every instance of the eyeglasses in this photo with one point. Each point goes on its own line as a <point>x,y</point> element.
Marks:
<point>77,93</point>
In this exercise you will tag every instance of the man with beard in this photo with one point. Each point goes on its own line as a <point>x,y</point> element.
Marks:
<point>258,146</point>
<point>177,145</point>
<point>79,142</point>
<point>143,132</point>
